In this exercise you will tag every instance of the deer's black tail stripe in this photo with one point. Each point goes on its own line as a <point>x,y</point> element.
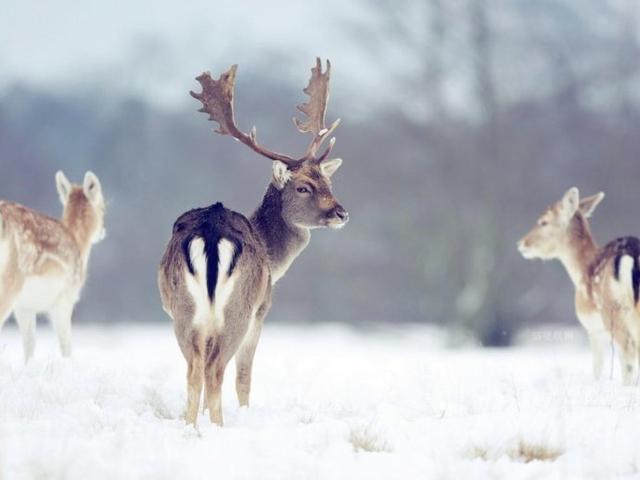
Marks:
<point>208,224</point>
<point>629,246</point>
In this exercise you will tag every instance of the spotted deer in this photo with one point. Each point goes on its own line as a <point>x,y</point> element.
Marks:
<point>606,279</point>
<point>43,261</point>
<point>217,273</point>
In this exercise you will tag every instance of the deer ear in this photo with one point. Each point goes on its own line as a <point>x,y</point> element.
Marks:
<point>570,202</point>
<point>281,174</point>
<point>92,188</point>
<point>64,187</point>
<point>589,204</point>
<point>329,167</point>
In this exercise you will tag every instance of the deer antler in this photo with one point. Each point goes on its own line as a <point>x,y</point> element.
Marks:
<point>315,110</point>
<point>217,101</point>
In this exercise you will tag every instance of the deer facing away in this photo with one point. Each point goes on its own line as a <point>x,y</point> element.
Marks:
<point>218,270</point>
<point>606,279</point>
<point>43,261</point>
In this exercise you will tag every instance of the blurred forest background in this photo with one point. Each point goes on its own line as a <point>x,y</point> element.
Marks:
<point>462,121</point>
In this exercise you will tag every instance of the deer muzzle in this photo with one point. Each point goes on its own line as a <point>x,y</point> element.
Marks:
<point>337,217</point>
<point>523,248</point>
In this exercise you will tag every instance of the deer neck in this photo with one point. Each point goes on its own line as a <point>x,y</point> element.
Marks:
<point>78,224</point>
<point>284,242</point>
<point>580,252</point>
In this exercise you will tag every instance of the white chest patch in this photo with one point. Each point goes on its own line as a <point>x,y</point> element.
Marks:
<point>40,294</point>
<point>277,274</point>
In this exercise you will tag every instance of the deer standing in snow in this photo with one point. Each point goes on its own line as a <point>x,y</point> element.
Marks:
<point>606,279</point>
<point>43,261</point>
<point>218,271</point>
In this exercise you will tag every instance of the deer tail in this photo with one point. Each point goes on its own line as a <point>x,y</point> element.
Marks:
<point>627,272</point>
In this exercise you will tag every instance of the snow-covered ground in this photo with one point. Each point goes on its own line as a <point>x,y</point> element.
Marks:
<point>327,403</point>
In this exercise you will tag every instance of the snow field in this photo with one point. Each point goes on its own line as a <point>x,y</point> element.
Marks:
<point>327,402</point>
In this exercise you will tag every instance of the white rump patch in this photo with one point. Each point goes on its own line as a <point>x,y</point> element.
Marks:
<point>281,174</point>
<point>625,278</point>
<point>197,282</point>
<point>225,283</point>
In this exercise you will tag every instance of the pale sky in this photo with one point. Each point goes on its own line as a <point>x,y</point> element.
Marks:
<point>58,44</point>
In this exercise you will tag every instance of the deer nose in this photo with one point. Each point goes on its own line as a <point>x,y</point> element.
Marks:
<point>341,213</point>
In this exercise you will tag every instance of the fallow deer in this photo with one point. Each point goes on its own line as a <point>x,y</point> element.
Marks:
<point>219,268</point>
<point>43,261</point>
<point>606,279</point>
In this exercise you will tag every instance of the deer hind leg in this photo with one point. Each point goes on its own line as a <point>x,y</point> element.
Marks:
<point>191,348</point>
<point>61,319</point>
<point>244,360</point>
<point>9,291</point>
<point>7,302</point>
<point>597,341</point>
<point>26,320</point>
<point>628,360</point>
<point>195,371</point>
<point>215,365</point>
<point>627,348</point>
<point>220,349</point>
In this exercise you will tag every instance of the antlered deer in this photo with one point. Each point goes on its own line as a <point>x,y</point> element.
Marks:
<point>217,273</point>
<point>606,279</point>
<point>43,261</point>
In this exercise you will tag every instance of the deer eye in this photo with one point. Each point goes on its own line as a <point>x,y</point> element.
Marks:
<point>303,189</point>
<point>543,223</point>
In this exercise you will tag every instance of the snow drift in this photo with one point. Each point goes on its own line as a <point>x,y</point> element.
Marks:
<point>327,403</point>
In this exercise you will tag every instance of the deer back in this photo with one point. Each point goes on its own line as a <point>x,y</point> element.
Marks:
<point>212,252</point>
<point>43,246</point>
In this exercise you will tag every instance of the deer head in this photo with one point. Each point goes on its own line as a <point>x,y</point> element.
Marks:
<point>552,234</point>
<point>83,205</point>
<point>304,183</point>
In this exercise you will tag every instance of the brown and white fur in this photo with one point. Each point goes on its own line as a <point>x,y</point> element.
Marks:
<point>43,261</point>
<point>218,271</point>
<point>606,279</point>
<point>251,255</point>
